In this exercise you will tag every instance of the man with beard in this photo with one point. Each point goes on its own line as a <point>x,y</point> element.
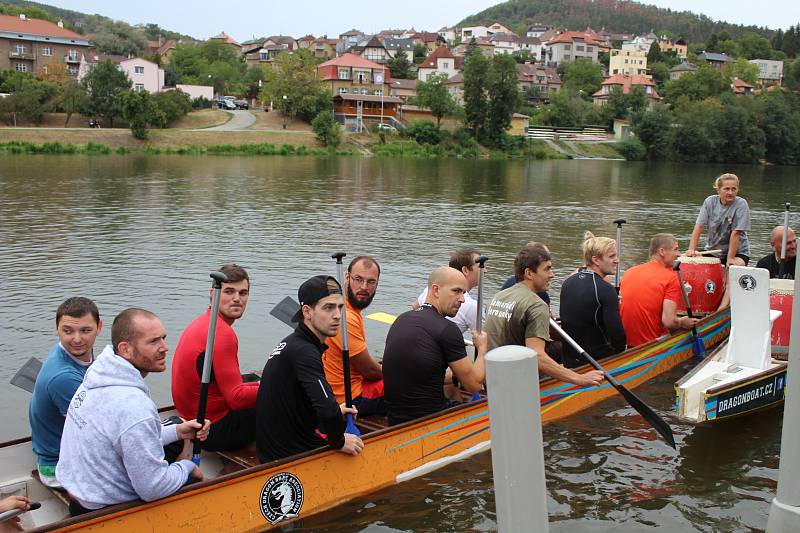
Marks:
<point>231,402</point>
<point>366,375</point>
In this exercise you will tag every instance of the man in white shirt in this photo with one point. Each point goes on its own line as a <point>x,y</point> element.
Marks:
<point>462,260</point>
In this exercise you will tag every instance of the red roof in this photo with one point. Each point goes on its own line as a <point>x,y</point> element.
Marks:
<point>572,36</point>
<point>36,27</point>
<point>741,86</point>
<point>440,53</point>
<point>224,37</point>
<point>351,60</point>
<point>626,82</point>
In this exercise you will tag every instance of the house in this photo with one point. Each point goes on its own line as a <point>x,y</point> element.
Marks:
<point>519,124</point>
<point>679,46</point>
<point>225,38</point>
<point>372,49</point>
<point>356,111</point>
<point>393,46</point>
<point>536,78</point>
<point>197,91</point>
<point>269,48</point>
<point>677,71</point>
<point>165,50</point>
<point>403,89</point>
<point>536,30</point>
<point>441,61</point>
<point>349,39</point>
<point>324,48</point>
<point>497,28</point>
<point>455,86</point>
<point>715,60</point>
<point>353,74</point>
<point>249,44</point>
<point>34,45</point>
<point>571,45</point>
<point>628,62</point>
<point>431,41</point>
<point>741,87</point>
<point>306,42</point>
<point>474,32</point>
<point>640,43</point>
<point>770,72</point>
<point>448,34</point>
<point>144,75</point>
<point>626,84</point>
<point>532,45</point>
<point>504,43</point>
<point>485,47</point>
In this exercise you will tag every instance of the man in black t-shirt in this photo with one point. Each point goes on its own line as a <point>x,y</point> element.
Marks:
<point>421,346</point>
<point>295,403</point>
<point>772,262</point>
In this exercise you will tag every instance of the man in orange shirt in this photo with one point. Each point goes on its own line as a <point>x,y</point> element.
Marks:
<point>650,293</point>
<point>366,375</point>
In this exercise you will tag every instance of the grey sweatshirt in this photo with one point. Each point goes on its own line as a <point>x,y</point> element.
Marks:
<point>112,445</point>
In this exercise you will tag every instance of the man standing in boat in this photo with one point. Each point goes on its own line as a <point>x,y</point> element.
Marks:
<point>296,408</point>
<point>462,260</point>
<point>650,293</point>
<point>231,402</point>
<point>366,375</point>
<point>519,316</point>
<point>77,325</point>
<point>772,262</point>
<point>112,449</point>
<point>423,344</point>
<point>590,305</point>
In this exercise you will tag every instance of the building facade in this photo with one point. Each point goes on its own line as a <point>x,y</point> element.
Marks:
<point>35,45</point>
<point>144,75</point>
<point>628,62</point>
<point>770,72</point>
<point>569,46</point>
<point>352,74</point>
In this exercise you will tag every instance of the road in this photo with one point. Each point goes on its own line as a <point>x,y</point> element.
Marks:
<point>241,120</point>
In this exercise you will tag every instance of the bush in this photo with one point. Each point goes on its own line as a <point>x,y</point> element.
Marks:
<point>201,102</point>
<point>632,149</point>
<point>326,129</point>
<point>173,104</point>
<point>425,132</point>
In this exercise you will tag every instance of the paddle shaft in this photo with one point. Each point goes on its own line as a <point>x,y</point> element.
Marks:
<point>7,515</point>
<point>218,279</point>
<point>481,260</point>
<point>348,391</point>
<point>686,301</point>
<point>648,414</point>
<point>782,269</point>
<point>619,222</point>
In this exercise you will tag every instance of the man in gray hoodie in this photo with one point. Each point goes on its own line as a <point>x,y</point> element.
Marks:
<point>112,445</point>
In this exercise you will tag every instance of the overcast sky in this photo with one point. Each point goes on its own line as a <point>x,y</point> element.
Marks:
<point>245,19</point>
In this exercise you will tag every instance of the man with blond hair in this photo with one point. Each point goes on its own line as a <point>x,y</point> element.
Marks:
<point>650,293</point>
<point>589,304</point>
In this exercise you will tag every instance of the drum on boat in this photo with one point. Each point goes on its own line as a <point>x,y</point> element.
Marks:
<point>703,277</point>
<point>781,294</point>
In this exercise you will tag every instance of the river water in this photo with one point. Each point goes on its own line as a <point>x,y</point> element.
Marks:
<point>146,231</point>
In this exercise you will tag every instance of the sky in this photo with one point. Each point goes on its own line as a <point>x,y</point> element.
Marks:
<point>245,19</point>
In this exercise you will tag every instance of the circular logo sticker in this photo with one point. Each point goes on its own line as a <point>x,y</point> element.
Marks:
<point>281,498</point>
<point>747,282</point>
<point>711,287</point>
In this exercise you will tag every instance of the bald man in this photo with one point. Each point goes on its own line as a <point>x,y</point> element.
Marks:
<point>423,344</point>
<point>772,262</point>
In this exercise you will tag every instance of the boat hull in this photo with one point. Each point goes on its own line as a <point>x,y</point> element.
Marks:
<point>267,496</point>
<point>764,391</point>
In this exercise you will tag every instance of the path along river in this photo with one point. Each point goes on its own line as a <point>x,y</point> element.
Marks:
<point>146,230</point>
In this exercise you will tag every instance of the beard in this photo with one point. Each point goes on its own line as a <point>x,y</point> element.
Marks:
<point>355,302</point>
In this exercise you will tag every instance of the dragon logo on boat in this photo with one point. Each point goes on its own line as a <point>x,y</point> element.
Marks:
<point>747,282</point>
<point>281,498</point>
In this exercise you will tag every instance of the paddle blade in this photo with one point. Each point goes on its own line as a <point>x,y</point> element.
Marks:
<point>285,310</point>
<point>25,378</point>
<point>350,426</point>
<point>386,318</point>
<point>698,348</point>
<point>648,414</point>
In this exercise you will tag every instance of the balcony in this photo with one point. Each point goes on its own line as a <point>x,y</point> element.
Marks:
<point>27,56</point>
<point>72,59</point>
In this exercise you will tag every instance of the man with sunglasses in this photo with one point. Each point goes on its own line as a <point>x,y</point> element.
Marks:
<point>366,375</point>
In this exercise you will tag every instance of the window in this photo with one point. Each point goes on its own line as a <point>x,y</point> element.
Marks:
<point>139,87</point>
<point>567,47</point>
<point>626,61</point>
<point>590,49</point>
<point>138,70</point>
<point>579,48</point>
<point>567,57</point>
<point>364,91</point>
<point>378,92</point>
<point>263,56</point>
<point>344,74</point>
<point>19,49</point>
<point>21,67</point>
<point>445,65</point>
<point>342,90</point>
<point>47,51</point>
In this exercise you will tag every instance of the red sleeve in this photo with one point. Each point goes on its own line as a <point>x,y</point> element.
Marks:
<point>673,289</point>
<point>237,395</point>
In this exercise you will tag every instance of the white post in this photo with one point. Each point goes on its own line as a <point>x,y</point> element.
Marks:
<point>784,513</point>
<point>512,379</point>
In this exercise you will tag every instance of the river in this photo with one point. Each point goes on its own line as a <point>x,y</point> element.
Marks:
<point>146,231</point>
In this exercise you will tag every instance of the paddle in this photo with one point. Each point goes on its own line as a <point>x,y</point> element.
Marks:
<point>648,414</point>
<point>481,260</point>
<point>32,506</point>
<point>698,348</point>
<point>25,378</point>
<point>782,270</point>
<point>348,393</point>
<point>619,222</point>
<point>218,279</point>
<point>285,310</point>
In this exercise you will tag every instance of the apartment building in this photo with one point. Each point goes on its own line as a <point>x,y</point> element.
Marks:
<point>35,45</point>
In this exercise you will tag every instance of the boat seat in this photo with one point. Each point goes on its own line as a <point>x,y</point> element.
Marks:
<point>246,457</point>
<point>60,494</point>
<point>372,423</point>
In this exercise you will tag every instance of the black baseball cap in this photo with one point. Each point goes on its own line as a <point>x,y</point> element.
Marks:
<point>314,289</point>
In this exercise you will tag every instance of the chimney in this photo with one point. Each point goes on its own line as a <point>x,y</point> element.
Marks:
<point>22,16</point>
<point>60,23</point>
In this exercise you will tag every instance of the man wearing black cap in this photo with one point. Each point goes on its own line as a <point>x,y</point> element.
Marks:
<point>295,405</point>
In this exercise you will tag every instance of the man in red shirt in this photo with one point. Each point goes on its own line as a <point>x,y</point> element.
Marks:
<point>231,402</point>
<point>650,293</point>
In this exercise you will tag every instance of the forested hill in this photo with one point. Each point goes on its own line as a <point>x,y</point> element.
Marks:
<point>616,16</point>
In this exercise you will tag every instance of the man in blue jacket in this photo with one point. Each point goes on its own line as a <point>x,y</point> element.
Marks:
<point>77,324</point>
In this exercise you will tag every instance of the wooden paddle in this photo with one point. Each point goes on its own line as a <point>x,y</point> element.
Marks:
<point>698,348</point>
<point>648,414</point>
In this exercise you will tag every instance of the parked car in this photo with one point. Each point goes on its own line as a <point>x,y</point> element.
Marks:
<point>241,104</point>
<point>224,103</point>
<point>387,127</point>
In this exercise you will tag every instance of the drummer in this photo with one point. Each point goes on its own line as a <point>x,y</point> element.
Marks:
<point>727,217</point>
<point>772,261</point>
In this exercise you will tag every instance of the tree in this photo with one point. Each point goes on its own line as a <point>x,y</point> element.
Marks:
<point>326,129</point>
<point>115,37</point>
<point>792,78</point>
<point>654,130</point>
<point>742,69</point>
<point>742,140</point>
<point>72,98</point>
<point>754,46</point>
<point>400,66</point>
<point>293,87</point>
<point>30,97</point>
<point>173,105</point>
<point>654,55</point>
<point>141,111</point>
<point>781,126</point>
<point>434,95</point>
<point>583,77</point>
<point>476,81</point>
<point>504,96</point>
<point>420,53</point>
<point>660,73</point>
<point>706,81</point>
<point>105,83</point>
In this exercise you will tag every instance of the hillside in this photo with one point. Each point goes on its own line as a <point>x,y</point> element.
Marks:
<point>616,16</point>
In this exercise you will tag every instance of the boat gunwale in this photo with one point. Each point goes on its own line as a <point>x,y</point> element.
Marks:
<point>719,389</point>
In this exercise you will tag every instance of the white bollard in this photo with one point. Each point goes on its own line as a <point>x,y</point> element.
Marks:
<point>512,379</point>
<point>784,513</point>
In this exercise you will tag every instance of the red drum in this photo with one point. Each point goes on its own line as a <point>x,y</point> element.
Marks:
<point>781,293</point>
<point>703,277</point>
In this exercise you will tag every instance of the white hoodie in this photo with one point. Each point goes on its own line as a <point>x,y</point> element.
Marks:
<point>112,445</point>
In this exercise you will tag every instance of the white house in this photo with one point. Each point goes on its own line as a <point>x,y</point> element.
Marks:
<point>441,61</point>
<point>197,91</point>
<point>477,32</point>
<point>640,43</point>
<point>144,75</point>
<point>770,72</point>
